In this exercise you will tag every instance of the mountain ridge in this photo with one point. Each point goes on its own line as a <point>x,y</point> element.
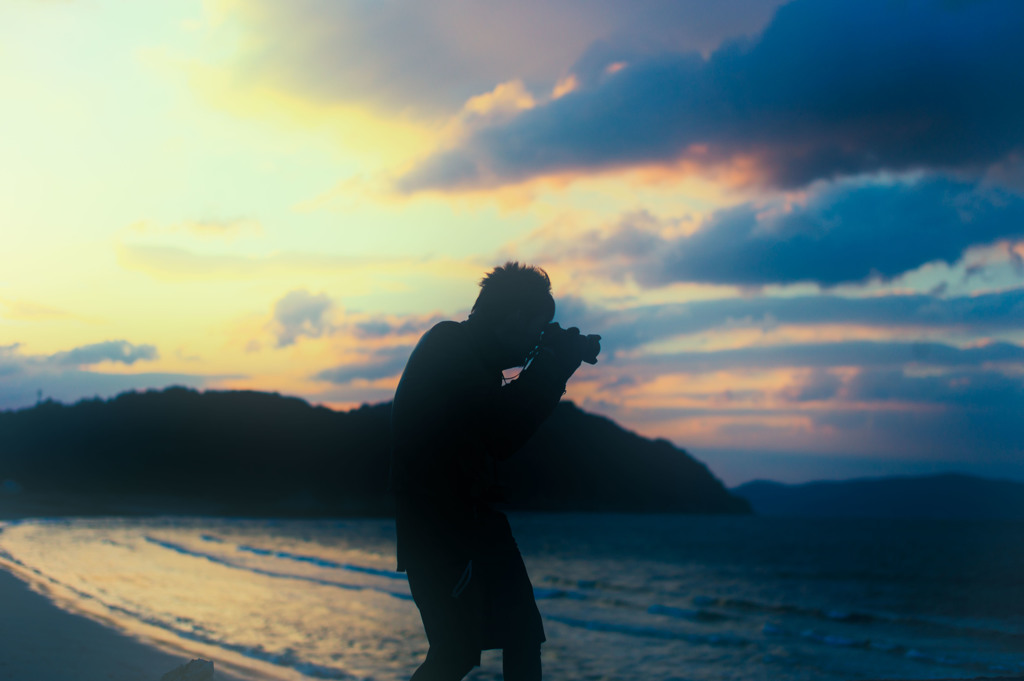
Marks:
<point>949,495</point>
<point>263,454</point>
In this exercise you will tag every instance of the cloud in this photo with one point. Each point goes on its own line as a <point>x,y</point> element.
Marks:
<point>431,57</point>
<point>107,351</point>
<point>74,385</point>
<point>25,378</point>
<point>635,327</point>
<point>9,360</point>
<point>840,354</point>
<point>970,387</point>
<point>384,343</point>
<point>911,400</point>
<point>828,89</point>
<point>382,363</point>
<point>13,361</point>
<point>300,313</point>
<point>842,233</point>
<point>968,416</point>
<point>382,326</point>
<point>819,385</point>
<point>970,390</point>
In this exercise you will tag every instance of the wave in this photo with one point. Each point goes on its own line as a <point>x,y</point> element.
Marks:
<point>699,615</point>
<point>306,558</point>
<point>285,658</point>
<point>321,562</point>
<point>614,600</point>
<point>649,631</point>
<point>539,593</point>
<point>178,548</point>
<point>709,609</point>
<point>712,609</point>
<point>1013,638</point>
<point>888,647</point>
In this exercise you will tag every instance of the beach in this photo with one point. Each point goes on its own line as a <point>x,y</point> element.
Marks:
<point>41,642</point>
<point>623,597</point>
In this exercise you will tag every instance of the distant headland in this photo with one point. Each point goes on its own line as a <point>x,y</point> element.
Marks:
<point>244,453</point>
<point>945,496</point>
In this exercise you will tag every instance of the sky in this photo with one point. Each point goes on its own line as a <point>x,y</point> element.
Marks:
<point>798,226</point>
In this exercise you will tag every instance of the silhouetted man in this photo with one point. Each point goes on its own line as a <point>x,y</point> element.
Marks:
<point>453,418</point>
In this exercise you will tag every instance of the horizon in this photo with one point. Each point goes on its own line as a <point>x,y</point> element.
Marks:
<point>729,484</point>
<point>798,226</point>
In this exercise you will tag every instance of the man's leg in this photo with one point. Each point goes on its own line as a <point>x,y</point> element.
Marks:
<point>450,617</point>
<point>515,621</point>
<point>443,668</point>
<point>520,663</point>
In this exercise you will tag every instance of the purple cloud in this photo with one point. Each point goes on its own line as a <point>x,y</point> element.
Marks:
<point>428,58</point>
<point>383,363</point>
<point>300,313</point>
<point>828,89</point>
<point>844,233</point>
<point>108,351</point>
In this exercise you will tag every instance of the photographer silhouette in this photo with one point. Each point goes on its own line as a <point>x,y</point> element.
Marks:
<point>454,417</point>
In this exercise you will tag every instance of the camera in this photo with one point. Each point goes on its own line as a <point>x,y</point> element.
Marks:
<point>570,343</point>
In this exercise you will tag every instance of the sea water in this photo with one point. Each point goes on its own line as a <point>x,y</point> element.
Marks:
<point>630,597</point>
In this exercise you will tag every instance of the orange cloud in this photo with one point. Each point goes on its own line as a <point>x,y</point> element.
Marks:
<point>566,85</point>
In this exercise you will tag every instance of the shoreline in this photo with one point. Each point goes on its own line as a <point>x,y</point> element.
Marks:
<point>39,641</point>
<point>51,630</point>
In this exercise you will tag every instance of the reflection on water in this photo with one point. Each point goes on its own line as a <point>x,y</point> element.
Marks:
<point>623,597</point>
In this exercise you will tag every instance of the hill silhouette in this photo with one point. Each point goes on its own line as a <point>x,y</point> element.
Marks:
<point>262,454</point>
<point>950,495</point>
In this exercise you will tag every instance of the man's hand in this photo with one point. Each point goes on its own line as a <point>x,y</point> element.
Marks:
<point>569,347</point>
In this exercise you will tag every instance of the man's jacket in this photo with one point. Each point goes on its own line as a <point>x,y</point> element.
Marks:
<point>453,419</point>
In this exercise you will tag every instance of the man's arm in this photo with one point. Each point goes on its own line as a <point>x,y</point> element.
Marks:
<point>507,417</point>
<point>446,390</point>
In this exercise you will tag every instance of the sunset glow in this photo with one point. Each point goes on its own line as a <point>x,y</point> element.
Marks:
<point>284,196</point>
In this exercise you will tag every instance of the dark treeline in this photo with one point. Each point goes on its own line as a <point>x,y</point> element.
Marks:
<point>260,454</point>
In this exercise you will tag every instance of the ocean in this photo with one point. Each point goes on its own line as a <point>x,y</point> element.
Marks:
<point>624,597</point>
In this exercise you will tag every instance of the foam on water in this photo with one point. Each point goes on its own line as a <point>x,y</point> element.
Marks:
<point>404,595</point>
<point>322,562</point>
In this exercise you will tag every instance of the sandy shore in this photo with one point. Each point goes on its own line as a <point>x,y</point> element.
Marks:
<point>41,642</point>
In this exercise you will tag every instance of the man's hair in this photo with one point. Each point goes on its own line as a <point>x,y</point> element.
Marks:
<point>513,287</point>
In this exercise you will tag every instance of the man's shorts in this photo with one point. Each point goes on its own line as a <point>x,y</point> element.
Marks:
<point>484,603</point>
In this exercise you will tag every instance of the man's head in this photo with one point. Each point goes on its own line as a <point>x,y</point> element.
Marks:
<point>515,302</point>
